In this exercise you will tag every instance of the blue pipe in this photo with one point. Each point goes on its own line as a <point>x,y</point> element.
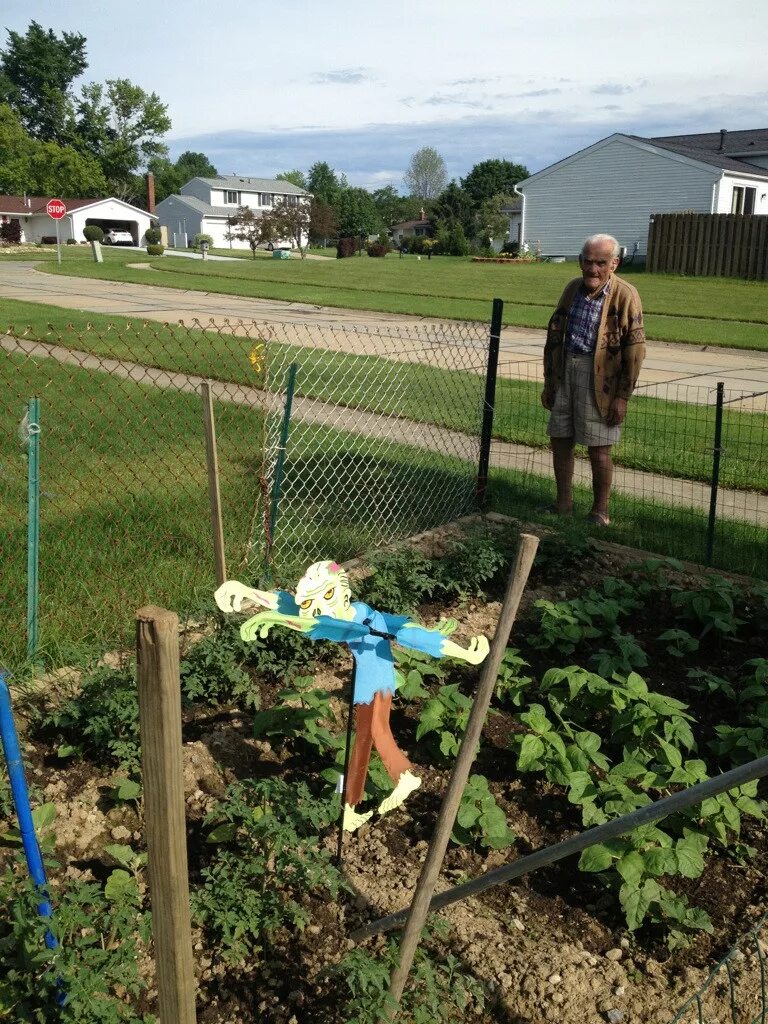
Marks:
<point>10,741</point>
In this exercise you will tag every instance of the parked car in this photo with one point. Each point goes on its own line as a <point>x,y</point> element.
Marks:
<point>116,236</point>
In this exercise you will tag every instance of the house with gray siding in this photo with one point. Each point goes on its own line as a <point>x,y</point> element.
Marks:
<point>615,185</point>
<point>204,206</point>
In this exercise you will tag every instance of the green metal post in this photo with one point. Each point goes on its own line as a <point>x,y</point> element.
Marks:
<point>278,482</point>
<point>33,522</point>
<point>715,482</point>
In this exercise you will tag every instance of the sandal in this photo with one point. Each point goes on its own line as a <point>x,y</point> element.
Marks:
<point>598,519</point>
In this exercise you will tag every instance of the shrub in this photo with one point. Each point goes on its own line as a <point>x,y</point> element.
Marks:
<point>71,241</point>
<point>346,247</point>
<point>199,238</point>
<point>377,249</point>
<point>153,236</point>
<point>511,248</point>
<point>93,233</point>
<point>457,242</point>
<point>155,250</point>
<point>48,240</point>
<point>11,232</point>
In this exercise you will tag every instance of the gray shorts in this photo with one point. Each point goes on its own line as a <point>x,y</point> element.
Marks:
<point>575,413</point>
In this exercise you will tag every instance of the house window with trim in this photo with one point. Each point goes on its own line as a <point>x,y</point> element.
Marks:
<point>265,199</point>
<point>743,199</point>
<point>291,200</point>
<point>231,198</point>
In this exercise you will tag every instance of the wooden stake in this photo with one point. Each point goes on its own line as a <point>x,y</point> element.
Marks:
<point>157,650</point>
<point>445,821</point>
<point>214,495</point>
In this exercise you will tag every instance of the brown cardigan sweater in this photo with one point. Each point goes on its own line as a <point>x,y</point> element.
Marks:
<point>620,347</point>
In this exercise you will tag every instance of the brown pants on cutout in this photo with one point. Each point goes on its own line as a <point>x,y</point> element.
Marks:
<point>372,730</point>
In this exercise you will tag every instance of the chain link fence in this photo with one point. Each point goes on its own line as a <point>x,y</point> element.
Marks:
<point>382,441</point>
<point>690,476</point>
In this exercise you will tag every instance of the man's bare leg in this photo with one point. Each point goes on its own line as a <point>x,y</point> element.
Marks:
<point>602,478</point>
<point>562,460</point>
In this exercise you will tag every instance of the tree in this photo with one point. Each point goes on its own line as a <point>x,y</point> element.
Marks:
<point>324,183</point>
<point>453,206</point>
<point>170,176</point>
<point>426,175</point>
<point>289,220</point>
<point>492,178</point>
<point>121,125</point>
<point>492,222</point>
<point>37,71</point>
<point>246,226</point>
<point>323,222</point>
<point>297,178</point>
<point>357,213</point>
<point>393,207</point>
<point>43,168</point>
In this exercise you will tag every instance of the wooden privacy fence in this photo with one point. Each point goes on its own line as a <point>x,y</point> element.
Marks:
<point>709,245</point>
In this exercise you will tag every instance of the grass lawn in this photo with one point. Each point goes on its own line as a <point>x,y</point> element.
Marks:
<point>124,506</point>
<point>702,311</point>
<point>671,438</point>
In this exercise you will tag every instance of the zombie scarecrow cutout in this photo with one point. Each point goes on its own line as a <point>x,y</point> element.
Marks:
<point>322,609</point>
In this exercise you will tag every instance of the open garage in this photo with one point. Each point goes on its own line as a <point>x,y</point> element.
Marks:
<point>35,224</point>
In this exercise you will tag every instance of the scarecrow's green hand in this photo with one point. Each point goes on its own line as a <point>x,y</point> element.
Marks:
<point>259,625</point>
<point>447,626</point>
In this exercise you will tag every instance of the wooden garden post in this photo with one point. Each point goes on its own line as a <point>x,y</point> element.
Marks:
<point>157,650</point>
<point>445,820</point>
<point>214,494</point>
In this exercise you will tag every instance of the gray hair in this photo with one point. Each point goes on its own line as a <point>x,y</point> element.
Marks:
<point>602,240</point>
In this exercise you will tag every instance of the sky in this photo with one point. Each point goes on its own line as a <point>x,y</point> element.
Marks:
<point>267,87</point>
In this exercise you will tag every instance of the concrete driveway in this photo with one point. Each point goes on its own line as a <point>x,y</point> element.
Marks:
<point>682,373</point>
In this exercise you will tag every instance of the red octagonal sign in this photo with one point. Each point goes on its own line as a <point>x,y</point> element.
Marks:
<point>55,208</point>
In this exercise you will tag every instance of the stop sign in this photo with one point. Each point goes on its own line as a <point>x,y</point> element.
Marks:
<point>55,208</point>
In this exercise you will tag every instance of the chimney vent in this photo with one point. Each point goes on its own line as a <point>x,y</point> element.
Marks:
<point>422,215</point>
<point>723,133</point>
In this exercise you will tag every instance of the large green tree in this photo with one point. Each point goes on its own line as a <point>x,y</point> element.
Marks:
<point>492,178</point>
<point>325,184</point>
<point>452,208</point>
<point>122,126</point>
<point>44,168</point>
<point>393,207</point>
<point>171,175</point>
<point>37,70</point>
<point>426,174</point>
<point>357,213</point>
<point>296,177</point>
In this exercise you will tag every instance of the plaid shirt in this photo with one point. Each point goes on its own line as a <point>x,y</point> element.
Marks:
<point>584,320</point>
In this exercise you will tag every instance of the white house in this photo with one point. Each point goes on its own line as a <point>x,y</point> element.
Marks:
<point>616,184</point>
<point>205,205</point>
<point>410,229</point>
<point>35,224</point>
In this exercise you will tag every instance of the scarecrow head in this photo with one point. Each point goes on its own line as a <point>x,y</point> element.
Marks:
<point>324,590</point>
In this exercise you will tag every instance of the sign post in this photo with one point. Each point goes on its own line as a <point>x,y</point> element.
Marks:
<point>56,209</point>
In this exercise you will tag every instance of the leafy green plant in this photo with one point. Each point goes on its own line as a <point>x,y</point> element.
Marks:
<point>564,625</point>
<point>511,683</point>
<point>708,683</point>
<point>96,964</point>
<point>468,565</point>
<point>211,672</point>
<point>399,580</point>
<point>412,668</point>
<point>679,642</point>
<point>438,991</point>
<point>446,714</point>
<point>303,711</point>
<point>625,657</point>
<point>711,606</point>
<point>268,861</point>
<point>480,819</point>
<point>101,722</point>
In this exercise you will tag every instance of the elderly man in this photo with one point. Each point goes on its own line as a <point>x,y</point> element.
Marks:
<point>592,357</point>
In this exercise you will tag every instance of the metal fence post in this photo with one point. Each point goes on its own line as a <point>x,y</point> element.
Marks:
<point>716,452</point>
<point>33,522</point>
<point>489,401</point>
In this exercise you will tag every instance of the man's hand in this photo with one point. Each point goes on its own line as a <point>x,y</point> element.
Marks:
<point>546,401</point>
<point>617,412</point>
<point>231,595</point>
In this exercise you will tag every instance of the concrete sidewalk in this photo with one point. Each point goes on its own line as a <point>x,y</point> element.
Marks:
<point>682,373</point>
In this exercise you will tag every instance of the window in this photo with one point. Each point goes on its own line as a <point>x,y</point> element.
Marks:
<point>743,199</point>
<point>232,198</point>
<point>291,200</point>
<point>265,199</point>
